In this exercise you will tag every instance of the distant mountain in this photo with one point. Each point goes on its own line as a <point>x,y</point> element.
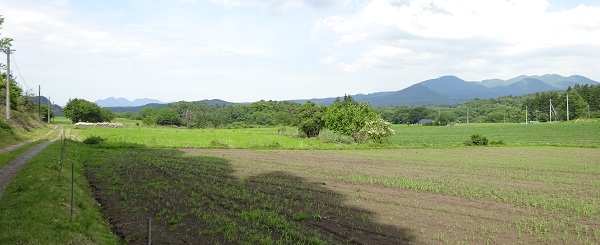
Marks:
<point>135,108</point>
<point>451,90</point>
<point>215,102</point>
<point>554,80</point>
<point>44,101</point>
<point>122,102</point>
<point>161,105</point>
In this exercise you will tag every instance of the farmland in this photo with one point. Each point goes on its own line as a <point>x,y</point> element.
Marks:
<point>267,186</point>
<point>583,134</point>
<point>430,189</point>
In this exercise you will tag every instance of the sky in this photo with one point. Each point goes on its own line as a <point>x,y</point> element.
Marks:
<point>248,50</point>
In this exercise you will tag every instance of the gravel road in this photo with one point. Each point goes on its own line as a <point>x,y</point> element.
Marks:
<point>12,168</point>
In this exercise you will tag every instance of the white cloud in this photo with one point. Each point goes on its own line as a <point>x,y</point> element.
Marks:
<point>458,35</point>
<point>345,46</point>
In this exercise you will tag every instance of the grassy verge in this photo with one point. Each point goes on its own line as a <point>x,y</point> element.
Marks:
<point>14,136</point>
<point>35,208</point>
<point>7,157</point>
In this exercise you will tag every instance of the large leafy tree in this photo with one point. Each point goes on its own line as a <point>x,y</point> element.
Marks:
<point>15,92</point>
<point>80,110</point>
<point>348,117</point>
<point>310,119</point>
<point>167,116</point>
<point>577,105</point>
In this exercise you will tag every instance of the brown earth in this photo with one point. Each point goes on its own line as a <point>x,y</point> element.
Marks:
<point>428,218</point>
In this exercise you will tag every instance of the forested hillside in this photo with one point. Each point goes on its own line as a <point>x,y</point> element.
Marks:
<point>509,109</point>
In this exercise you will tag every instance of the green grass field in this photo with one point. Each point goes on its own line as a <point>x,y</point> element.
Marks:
<point>35,208</point>
<point>581,134</point>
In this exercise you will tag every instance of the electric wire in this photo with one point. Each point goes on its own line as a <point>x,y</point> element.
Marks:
<point>19,72</point>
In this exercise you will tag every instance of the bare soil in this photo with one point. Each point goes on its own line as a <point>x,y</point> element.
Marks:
<point>427,218</point>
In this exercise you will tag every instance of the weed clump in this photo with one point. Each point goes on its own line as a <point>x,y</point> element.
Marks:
<point>93,140</point>
<point>5,124</point>
<point>477,139</point>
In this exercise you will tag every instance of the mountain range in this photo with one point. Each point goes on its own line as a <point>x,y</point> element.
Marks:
<point>122,102</point>
<point>161,105</point>
<point>442,90</point>
<point>452,90</point>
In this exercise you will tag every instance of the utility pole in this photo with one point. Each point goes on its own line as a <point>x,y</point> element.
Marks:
<point>550,109</point>
<point>8,51</point>
<point>467,114</point>
<point>39,103</point>
<point>49,104</point>
<point>526,119</point>
<point>567,106</point>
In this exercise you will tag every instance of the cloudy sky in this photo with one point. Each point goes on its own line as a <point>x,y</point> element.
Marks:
<point>247,50</point>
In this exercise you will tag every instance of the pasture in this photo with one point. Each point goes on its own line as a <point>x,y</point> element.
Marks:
<point>579,134</point>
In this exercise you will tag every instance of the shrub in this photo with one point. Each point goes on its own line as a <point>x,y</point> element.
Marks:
<point>5,124</point>
<point>93,140</point>
<point>477,139</point>
<point>378,131</point>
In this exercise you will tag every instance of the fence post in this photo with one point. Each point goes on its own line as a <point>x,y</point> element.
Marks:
<point>72,187</point>
<point>63,145</point>
<point>149,231</point>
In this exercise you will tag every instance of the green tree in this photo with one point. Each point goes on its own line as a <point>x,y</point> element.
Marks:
<point>348,117</point>
<point>167,116</point>
<point>145,112</point>
<point>577,106</point>
<point>45,115</point>
<point>80,110</point>
<point>148,121</point>
<point>377,131</point>
<point>310,119</point>
<point>15,92</point>
<point>444,118</point>
<point>5,42</point>
<point>107,115</point>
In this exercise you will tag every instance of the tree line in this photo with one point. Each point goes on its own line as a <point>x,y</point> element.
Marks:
<point>507,109</point>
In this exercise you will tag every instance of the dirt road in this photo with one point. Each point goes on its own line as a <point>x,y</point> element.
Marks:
<point>11,169</point>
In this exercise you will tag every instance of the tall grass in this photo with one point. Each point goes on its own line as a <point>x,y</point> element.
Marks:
<point>35,208</point>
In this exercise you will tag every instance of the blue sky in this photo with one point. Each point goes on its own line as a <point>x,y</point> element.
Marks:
<point>247,50</point>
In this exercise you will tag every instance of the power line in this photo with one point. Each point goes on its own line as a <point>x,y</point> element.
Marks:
<point>19,71</point>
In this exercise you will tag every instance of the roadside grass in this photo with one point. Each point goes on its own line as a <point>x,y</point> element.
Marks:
<point>35,208</point>
<point>17,135</point>
<point>5,158</point>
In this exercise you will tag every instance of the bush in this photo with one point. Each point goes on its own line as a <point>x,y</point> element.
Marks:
<point>93,140</point>
<point>4,124</point>
<point>477,139</point>
<point>377,131</point>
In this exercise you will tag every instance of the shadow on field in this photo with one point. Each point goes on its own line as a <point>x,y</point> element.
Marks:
<point>197,200</point>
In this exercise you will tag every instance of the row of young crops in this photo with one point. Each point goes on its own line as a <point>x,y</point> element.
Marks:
<point>198,200</point>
